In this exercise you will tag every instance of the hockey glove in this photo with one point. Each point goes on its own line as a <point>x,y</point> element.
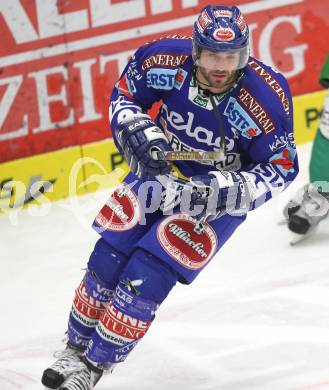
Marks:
<point>208,197</point>
<point>219,193</point>
<point>137,137</point>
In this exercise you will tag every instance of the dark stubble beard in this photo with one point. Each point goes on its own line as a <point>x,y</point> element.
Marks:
<point>222,86</point>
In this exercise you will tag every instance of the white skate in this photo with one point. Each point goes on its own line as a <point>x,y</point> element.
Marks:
<point>83,378</point>
<point>67,362</point>
<point>305,211</point>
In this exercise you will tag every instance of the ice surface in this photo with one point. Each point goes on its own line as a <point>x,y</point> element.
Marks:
<point>256,318</point>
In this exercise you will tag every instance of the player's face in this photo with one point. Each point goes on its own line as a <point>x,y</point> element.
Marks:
<point>218,68</point>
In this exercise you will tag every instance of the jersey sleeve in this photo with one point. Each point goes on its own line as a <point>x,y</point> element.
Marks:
<point>130,96</point>
<point>150,73</point>
<point>273,155</point>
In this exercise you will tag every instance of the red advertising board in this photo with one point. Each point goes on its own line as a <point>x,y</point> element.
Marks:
<point>59,59</point>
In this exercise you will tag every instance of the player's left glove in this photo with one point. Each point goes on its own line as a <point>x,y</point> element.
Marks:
<point>208,197</point>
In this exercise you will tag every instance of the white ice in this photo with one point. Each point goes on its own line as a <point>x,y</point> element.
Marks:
<point>256,318</point>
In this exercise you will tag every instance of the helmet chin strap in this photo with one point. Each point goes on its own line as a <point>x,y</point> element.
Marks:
<point>195,70</point>
<point>216,112</point>
<point>200,82</point>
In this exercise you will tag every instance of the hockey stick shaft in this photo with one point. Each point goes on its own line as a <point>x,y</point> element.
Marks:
<point>192,156</point>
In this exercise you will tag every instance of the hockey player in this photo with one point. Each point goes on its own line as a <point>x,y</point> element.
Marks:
<point>311,203</point>
<point>214,98</point>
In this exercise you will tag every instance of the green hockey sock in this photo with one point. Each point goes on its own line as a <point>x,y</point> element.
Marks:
<point>324,76</point>
<point>319,165</point>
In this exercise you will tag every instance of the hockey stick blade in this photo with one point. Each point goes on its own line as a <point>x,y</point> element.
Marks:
<point>191,156</point>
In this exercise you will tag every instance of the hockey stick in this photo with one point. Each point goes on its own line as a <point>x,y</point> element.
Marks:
<point>173,197</point>
<point>187,156</point>
<point>157,154</point>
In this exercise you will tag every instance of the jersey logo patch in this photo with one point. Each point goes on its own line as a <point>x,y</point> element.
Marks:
<point>240,120</point>
<point>284,141</point>
<point>170,60</point>
<point>121,212</point>
<point>124,87</point>
<point>160,78</point>
<point>257,111</point>
<point>201,101</point>
<point>284,161</point>
<point>180,78</point>
<point>167,79</point>
<point>190,249</point>
<point>273,84</point>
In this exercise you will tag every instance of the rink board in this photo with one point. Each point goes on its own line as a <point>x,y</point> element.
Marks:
<point>60,59</point>
<point>24,181</point>
<point>81,169</point>
<point>307,111</point>
<point>51,176</point>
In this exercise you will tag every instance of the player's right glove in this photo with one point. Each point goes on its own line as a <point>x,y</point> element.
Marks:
<point>137,138</point>
<point>208,197</point>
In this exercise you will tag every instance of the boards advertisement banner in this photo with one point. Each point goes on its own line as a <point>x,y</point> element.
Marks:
<point>60,59</point>
<point>98,165</point>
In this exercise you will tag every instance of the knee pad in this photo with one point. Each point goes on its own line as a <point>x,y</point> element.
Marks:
<point>106,263</point>
<point>147,277</point>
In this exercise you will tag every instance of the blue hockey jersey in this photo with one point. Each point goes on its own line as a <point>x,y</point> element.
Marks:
<point>257,115</point>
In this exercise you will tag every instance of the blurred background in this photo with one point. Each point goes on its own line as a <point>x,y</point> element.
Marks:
<point>59,60</point>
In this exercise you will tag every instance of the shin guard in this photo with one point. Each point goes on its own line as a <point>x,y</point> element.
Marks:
<point>144,284</point>
<point>86,310</point>
<point>94,293</point>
